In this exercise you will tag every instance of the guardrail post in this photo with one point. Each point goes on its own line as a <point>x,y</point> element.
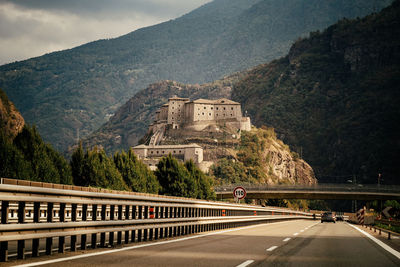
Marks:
<point>21,211</point>
<point>119,234</point>
<point>5,208</point>
<point>61,244</point>
<point>61,239</point>
<point>73,243</point>
<point>21,249</point>
<point>49,245</point>
<point>161,212</point>
<point>35,247</point>
<point>83,242</point>
<point>140,212</point>
<point>84,218</point>
<point>4,220</point>
<point>94,218</point>
<point>49,240</point>
<point>3,250</point>
<point>103,234</point>
<point>146,212</point>
<point>389,235</point>
<point>111,234</point>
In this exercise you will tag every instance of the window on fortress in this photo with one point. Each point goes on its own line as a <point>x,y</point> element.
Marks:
<point>174,151</point>
<point>232,108</point>
<point>224,108</point>
<point>172,107</point>
<point>157,151</point>
<point>172,112</point>
<point>163,152</point>
<point>231,115</point>
<point>151,152</point>
<point>212,108</point>
<point>202,113</point>
<point>205,107</point>
<point>217,108</point>
<point>209,114</point>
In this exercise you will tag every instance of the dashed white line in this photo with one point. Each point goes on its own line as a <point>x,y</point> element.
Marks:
<point>139,246</point>
<point>246,263</point>
<point>301,230</point>
<point>380,243</point>
<point>272,248</point>
<point>286,239</point>
<point>295,233</point>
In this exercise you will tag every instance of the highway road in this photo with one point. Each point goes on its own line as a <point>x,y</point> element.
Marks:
<point>293,243</point>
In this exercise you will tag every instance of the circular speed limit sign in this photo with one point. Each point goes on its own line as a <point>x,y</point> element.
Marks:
<point>239,192</point>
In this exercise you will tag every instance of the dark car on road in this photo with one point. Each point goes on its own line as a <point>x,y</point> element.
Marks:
<point>327,217</point>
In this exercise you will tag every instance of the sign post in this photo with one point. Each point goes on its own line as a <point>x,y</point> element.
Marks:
<point>239,193</point>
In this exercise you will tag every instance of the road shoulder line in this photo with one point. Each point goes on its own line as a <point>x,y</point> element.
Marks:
<point>377,241</point>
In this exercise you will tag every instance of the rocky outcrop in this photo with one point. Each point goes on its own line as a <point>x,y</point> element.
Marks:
<point>287,167</point>
<point>11,121</point>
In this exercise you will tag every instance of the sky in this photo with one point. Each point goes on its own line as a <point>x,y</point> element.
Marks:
<point>30,28</point>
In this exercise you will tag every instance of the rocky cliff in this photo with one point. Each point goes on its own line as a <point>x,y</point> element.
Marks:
<point>11,121</point>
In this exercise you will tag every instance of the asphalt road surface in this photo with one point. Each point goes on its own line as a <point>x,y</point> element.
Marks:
<point>294,243</point>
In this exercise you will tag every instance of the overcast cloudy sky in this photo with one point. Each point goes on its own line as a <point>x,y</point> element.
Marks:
<point>30,28</point>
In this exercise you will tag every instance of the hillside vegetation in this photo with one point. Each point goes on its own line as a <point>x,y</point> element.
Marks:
<point>73,92</point>
<point>335,98</point>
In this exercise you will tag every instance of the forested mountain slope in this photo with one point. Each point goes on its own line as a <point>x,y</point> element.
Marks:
<point>335,98</point>
<point>77,90</point>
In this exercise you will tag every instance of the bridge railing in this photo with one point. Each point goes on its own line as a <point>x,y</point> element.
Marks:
<point>317,187</point>
<point>35,216</point>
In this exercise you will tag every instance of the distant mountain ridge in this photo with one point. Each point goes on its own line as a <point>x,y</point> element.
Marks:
<point>77,90</point>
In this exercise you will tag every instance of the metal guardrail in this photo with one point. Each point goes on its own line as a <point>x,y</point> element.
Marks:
<point>380,230</point>
<point>36,212</point>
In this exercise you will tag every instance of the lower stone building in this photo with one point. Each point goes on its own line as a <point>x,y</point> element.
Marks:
<point>151,155</point>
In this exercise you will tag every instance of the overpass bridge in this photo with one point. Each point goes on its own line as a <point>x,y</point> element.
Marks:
<point>320,191</point>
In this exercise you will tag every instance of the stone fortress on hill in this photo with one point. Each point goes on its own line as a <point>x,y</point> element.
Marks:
<point>182,119</point>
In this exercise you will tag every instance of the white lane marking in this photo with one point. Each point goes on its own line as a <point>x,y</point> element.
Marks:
<point>295,233</point>
<point>301,230</point>
<point>141,246</point>
<point>286,239</point>
<point>246,263</point>
<point>380,243</point>
<point>272,248</point>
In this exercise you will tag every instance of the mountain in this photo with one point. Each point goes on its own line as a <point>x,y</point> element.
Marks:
<point>73,92</point>
<point>335,98</point>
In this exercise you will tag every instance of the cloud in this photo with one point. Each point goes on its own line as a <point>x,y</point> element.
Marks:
<point>33,28</point>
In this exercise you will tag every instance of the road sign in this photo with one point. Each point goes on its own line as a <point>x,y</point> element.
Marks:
<point>239,192</point>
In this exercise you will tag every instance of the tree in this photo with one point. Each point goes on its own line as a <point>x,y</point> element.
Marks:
<point>96,169</point>
<point>47,164</point>
<point>174,178</point>
<point>203,182</point>
<point>137,176</point>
